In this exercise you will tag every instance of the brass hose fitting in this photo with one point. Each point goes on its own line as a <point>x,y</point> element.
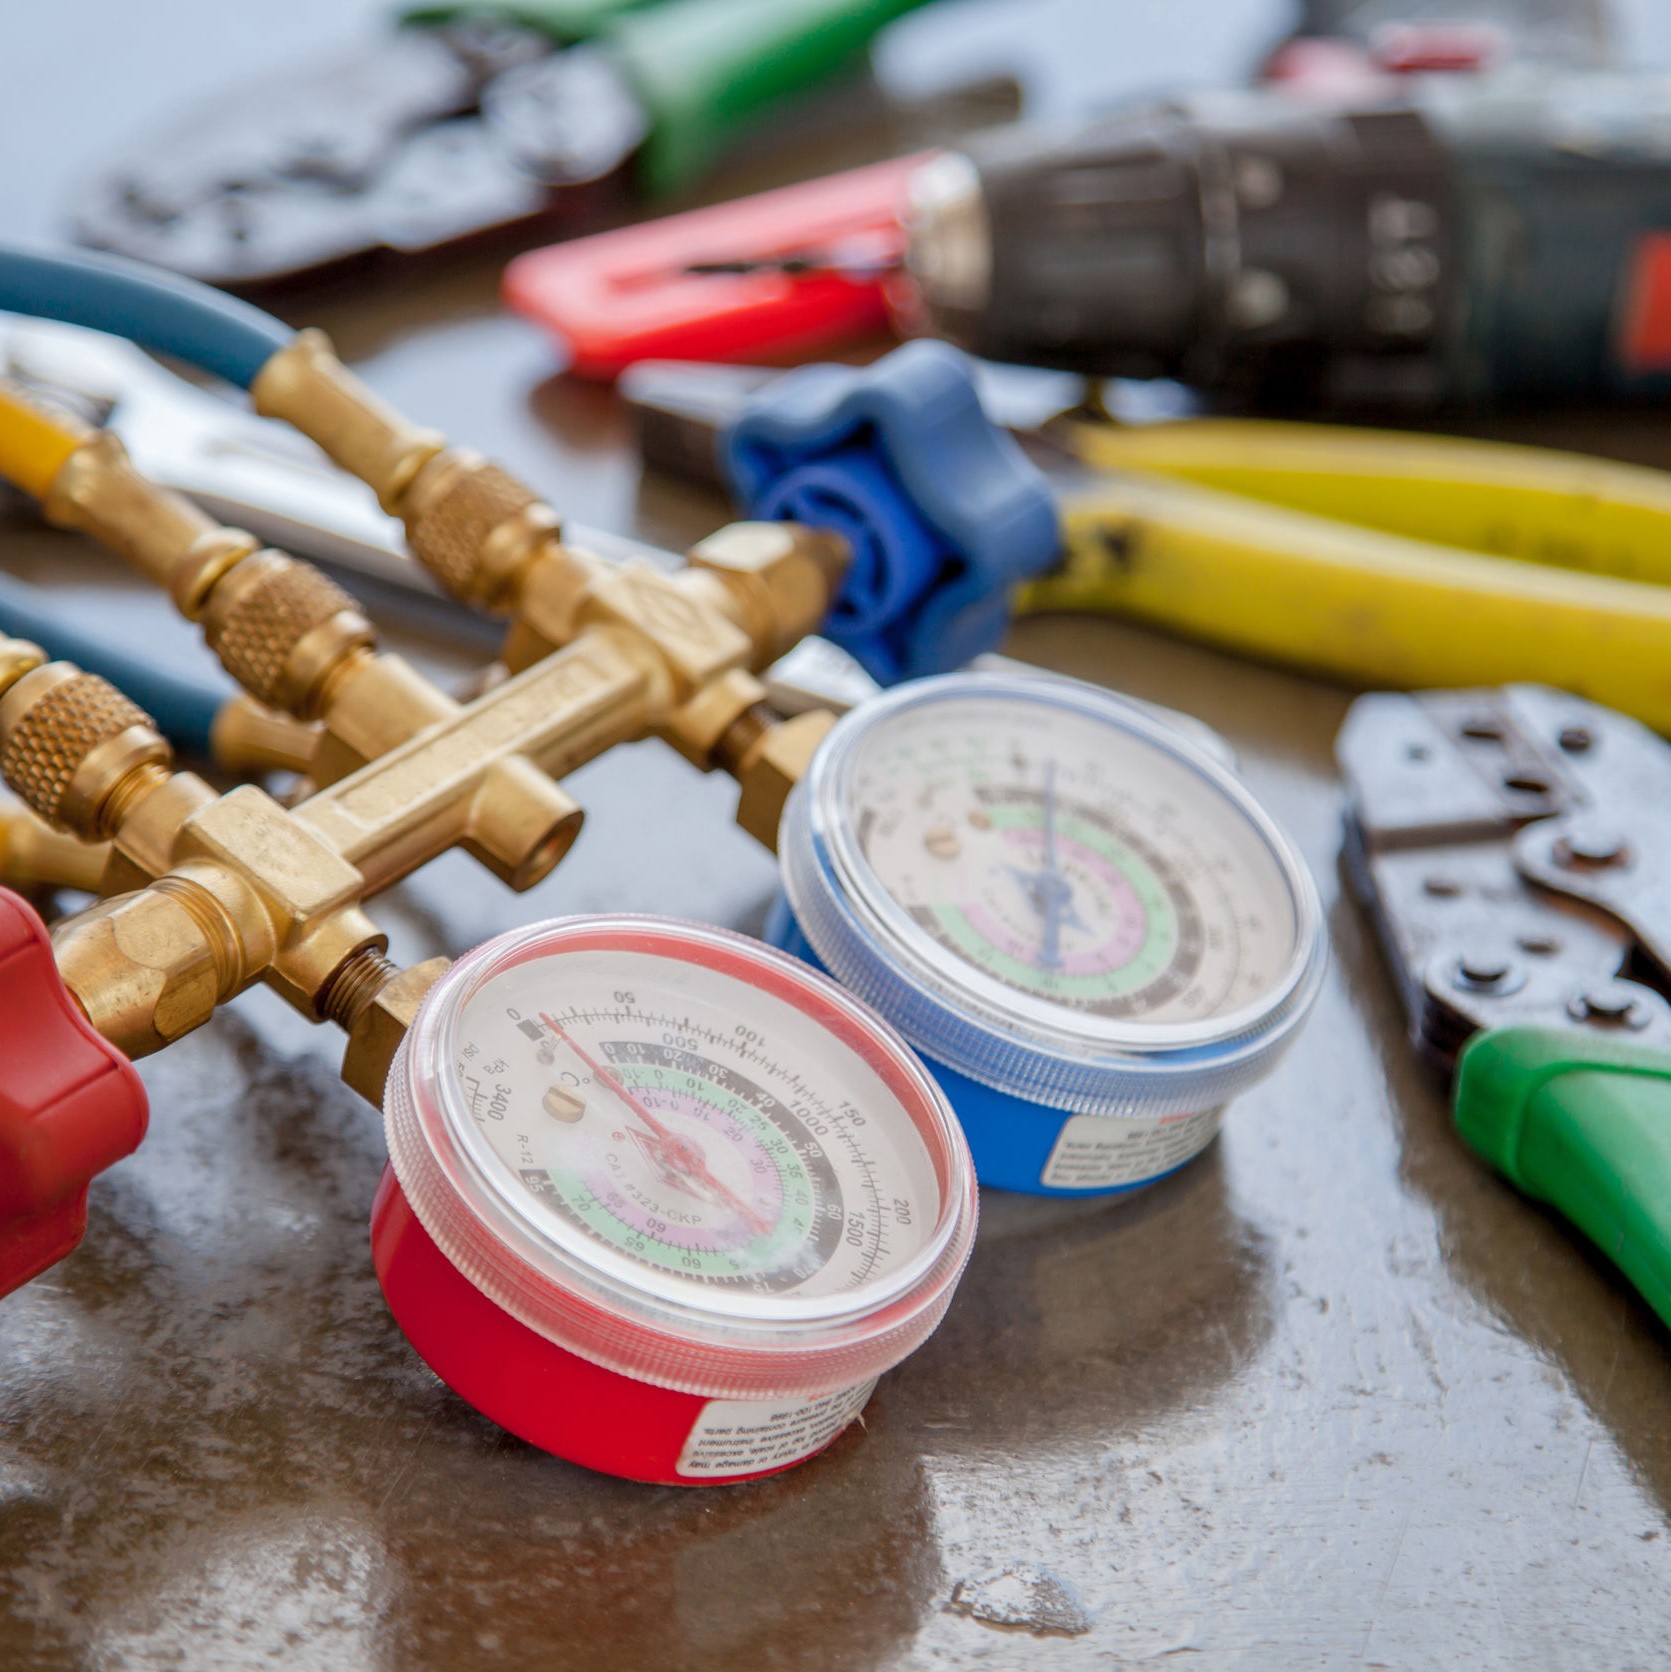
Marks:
<point>470,523</point>
<point>307,386</point>
<point>384,1012</point>
<point>776,580</point>
<point>90,763</point>
<point>163,535</point>
<point>282,629</point>
<point>278,625</point>
<point>747,594</point>
<point>18,657</point>
<point>475,528</point>
<point>152,964</point>
<point>35,858</point>
<point>249,739</point>
<point>289,635</point>
<point>76,750</point>
<point>771,757</point>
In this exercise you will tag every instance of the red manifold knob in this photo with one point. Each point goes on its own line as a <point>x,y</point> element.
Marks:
<point>70,1103</point>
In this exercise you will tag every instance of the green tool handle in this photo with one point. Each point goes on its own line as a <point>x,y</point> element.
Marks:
<point>565,21</point>
<point>1585,1125</point>
<point>706,68</point>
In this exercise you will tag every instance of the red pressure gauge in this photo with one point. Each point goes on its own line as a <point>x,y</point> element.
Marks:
<point>664,1201</point>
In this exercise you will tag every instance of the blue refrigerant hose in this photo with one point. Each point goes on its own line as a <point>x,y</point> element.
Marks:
<point>205,328</point>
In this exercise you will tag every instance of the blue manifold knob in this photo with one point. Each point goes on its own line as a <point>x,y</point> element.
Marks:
<point>943,510</point>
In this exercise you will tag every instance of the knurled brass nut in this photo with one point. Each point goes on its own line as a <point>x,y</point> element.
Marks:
<point>68,738</point>
<point>474,526</point>
<point>279,627</point>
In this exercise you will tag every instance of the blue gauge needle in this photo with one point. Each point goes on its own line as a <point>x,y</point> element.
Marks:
<point>1048,887</point>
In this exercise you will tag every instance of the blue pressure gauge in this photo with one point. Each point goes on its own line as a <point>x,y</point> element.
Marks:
<point>1084,922</point>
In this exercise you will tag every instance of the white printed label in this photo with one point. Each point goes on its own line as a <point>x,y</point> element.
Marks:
<point>1096,1151</point>
<point>744,1436</point>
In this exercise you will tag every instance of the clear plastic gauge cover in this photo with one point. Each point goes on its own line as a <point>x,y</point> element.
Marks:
<point>683,1156</point>
<point>1051,891</point>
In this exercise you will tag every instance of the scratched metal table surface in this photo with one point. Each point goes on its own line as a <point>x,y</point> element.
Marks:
<point>1332,1397</point>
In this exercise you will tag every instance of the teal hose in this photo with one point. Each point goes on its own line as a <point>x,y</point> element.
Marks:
<point>205,328</point>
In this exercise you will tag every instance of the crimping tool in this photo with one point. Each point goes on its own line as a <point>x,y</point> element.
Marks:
<point>1510,846</point>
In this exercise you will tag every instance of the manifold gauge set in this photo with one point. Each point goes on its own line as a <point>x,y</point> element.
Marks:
<point>710,1195</point>
<point>661,1199</point>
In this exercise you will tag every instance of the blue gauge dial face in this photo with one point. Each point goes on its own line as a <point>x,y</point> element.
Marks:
<point>1070,859</point>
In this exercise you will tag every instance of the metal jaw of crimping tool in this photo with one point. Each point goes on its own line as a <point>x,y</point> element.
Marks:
<point>470,119</point>
<point>1510,846</point>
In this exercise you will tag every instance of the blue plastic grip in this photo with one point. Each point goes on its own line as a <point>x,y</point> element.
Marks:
<point>944,511</point>
<point>204,327</point>
<point>895,559</point>
<point>183,706</point>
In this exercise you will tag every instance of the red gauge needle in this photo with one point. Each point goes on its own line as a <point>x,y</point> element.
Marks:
<point>681,1155</point>
<point>608,1076</point>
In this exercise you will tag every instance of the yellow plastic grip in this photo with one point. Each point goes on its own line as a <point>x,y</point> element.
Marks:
<point>1578,604</point>
<point>34,442</point>
<point>1537,504</point>
<point>1367,608</point>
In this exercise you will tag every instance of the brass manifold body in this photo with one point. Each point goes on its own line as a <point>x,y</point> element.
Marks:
<point>213,893</point>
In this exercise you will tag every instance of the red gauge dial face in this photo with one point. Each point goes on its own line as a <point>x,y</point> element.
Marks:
<point>701,1126</point>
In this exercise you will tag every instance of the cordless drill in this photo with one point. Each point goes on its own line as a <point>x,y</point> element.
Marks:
<point>1434,239</point>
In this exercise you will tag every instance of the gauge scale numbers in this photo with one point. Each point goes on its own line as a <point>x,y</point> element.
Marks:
<point>1070,859</point>
<point>708,1130</point>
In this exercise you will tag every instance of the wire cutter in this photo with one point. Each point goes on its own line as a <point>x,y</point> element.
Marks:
<point>1372,557</point>
<point>1509,845</point>
<point>473,117</point>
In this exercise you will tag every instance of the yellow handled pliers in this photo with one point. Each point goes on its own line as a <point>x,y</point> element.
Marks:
<point>1382,559</point>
